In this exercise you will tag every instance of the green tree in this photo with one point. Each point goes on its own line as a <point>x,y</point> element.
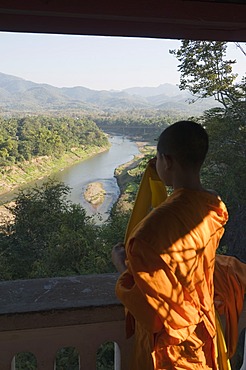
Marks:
<point>205,72</point>
<point>225,171</point>
<point>110,233</point>
<point>50,236</point>
<point>29,137</point>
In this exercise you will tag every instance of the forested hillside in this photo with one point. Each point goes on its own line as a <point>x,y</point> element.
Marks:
<point>34,147</point>
<point>28,137</point>
<point>143,124</point>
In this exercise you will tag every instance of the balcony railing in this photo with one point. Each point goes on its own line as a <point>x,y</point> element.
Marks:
<point>42,316</point>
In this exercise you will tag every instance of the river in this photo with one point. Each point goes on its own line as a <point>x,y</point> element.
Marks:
<point>97,168</point>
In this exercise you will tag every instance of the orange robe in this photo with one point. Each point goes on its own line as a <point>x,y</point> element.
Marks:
<point>229,291</point>
<point>168,285</point>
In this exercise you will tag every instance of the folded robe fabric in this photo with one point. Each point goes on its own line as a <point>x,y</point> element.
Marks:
<point>230,288</point>
<point>222,352</point>
<point>151,193</point>
<point>185,302</point>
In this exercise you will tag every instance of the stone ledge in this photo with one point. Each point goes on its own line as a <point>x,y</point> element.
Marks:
<point>36,295</point>
<point>62,301</point>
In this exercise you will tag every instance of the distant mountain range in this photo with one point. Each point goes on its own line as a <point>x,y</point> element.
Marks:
<point>19,95</point>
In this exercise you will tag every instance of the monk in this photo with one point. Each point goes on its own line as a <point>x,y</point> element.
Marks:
<point>167,263</point>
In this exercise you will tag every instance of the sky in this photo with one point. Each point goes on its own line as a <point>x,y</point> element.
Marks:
<point>98,63</point>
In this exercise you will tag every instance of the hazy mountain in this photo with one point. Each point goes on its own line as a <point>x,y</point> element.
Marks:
<point>166,89</point>
<point>20,95</point>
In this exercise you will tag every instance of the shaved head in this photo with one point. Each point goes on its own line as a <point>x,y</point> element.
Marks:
<point>186,141</point>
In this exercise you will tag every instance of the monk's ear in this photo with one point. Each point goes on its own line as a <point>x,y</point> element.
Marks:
<point>168,160</point>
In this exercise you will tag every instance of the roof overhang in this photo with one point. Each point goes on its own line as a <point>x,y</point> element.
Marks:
<point>176,19</point>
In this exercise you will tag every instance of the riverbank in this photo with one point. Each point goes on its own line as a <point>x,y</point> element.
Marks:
<point>15,176</point>
<point>124,178</point>
<point>124,175</point>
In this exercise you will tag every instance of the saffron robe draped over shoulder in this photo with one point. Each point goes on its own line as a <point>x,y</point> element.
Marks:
<point>168,285</point>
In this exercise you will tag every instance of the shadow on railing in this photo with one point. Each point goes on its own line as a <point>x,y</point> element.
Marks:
<point>43,317</point>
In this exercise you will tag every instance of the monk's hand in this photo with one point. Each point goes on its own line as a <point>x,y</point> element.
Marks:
<point>152,162</point>
<point>119,257</point>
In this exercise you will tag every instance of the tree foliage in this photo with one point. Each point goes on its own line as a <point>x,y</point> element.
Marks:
<point>205,72</point>
<point>50,236</point>
<point>25,138</point>
<point>137,123</point>
<point>225,171</point>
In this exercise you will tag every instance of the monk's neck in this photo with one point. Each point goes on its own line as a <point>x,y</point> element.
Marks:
<point>187,181</point>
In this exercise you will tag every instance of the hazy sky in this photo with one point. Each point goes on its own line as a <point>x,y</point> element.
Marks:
<point>94,62</point>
